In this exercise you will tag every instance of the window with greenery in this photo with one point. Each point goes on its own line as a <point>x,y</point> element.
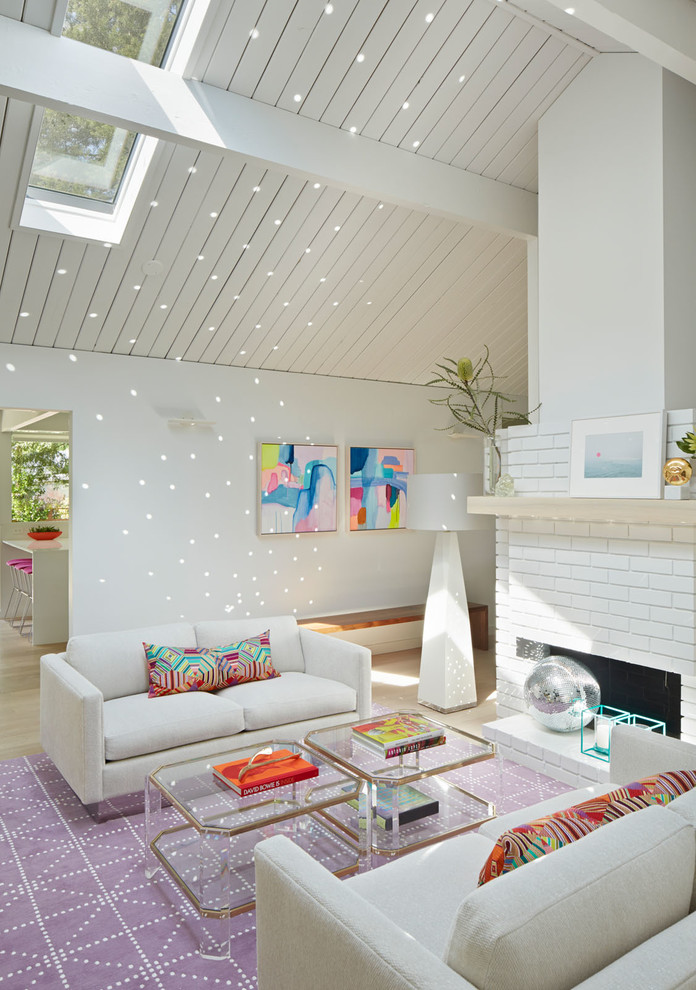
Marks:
<point>40,480</point>
<point>85,158</point>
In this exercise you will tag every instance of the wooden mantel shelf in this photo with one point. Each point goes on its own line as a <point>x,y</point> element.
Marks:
<point>665,512</point>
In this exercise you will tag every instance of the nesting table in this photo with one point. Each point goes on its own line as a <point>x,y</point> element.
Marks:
<point>206,843</point>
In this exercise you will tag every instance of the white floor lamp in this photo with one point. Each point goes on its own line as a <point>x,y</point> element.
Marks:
<point>438,502</point>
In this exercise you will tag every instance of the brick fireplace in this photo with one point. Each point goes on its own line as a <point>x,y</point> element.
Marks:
<point>614,578</point>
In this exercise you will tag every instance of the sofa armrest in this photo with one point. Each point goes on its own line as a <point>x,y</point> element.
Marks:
<point>314,932</point>
<point>637,753</point>
<point>72,726</point>
<point>326,656</point>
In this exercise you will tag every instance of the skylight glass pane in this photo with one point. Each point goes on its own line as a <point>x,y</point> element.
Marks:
<point>138,29</point>
<point>83,158</point>
<point>80,157</point>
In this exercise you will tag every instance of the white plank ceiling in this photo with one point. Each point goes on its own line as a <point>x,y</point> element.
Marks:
<point>261,269</point>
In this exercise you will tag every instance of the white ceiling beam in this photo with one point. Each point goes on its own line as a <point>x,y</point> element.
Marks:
<point>66,75</point>
<point>664,32</point>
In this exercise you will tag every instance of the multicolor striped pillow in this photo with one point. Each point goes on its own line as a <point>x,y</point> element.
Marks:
<point>248,660</point>
<point>525,843</point>
<point>174,670</point>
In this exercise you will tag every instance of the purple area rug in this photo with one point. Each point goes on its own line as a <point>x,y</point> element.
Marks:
<point>77,913</point>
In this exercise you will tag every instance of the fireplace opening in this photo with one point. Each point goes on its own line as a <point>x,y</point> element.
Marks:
<point>640,690</point>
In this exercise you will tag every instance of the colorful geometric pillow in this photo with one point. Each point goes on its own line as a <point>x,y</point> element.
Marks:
<point>525,843</point>
<point>174,670</point>
<point>248,660</point>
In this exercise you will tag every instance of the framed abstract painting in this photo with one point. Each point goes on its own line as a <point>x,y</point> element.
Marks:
<point>379,487</point>
<point>617,457</point>
<point>297,488</point>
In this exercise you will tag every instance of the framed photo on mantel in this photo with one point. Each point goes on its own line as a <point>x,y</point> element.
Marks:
<point>617,457</point>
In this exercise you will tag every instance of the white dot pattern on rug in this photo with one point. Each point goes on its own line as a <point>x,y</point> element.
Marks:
<point>77,912</point>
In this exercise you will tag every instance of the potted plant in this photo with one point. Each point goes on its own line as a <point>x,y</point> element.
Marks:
<point>477,403</point>
<point>44,532</point>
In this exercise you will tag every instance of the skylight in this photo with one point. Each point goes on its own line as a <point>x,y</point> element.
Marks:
<point>82,158</point>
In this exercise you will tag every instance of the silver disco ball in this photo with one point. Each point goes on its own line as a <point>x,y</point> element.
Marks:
<point>558,690</point>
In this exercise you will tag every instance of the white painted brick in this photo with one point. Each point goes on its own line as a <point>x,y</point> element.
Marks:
<point>527,486</point>
<point>676,616</point>
<point>669,582</point>
<point>630,610</point>
<point>670,648</point>
<point>673,551</point>
<point>555,455</point>
<point>556,570</point>
<point>519,458</point>
<point>642,531</point>
<point>543,441</point>
<point>568,528</point>
<point>574,587</point>
<point>524,567</point>
<point>653,565</point>
<point>627,641</point>
<point>684,534</point>
<point>589,545</point>
<point>557,484</point>
<point>540,471</point>
<point>574,557</point>
<point>528,430</point>
<point>611,560</point>
<point>685,634</point>
<point>685,568</point>
<point>646,627</point>
<point>562,440</point>
<point>537,526</point>
<point>539,553</point>
<point>642,596</point>
<point>557,541</point>
<point>636,548</point>
<point>555,426</point>
<point>629,579</point>
<point>609,531</point>
<point>617,622</point>
<point>594,574</point>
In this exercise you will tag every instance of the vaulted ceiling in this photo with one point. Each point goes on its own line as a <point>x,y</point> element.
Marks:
<point>367,266</point>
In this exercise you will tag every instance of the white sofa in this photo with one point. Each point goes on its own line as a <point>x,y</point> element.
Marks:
<point>105,734</point>
<point>613,911</point>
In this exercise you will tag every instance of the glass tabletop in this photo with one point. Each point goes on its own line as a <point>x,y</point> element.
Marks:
<point>208,803</point>
<point>340,744</point>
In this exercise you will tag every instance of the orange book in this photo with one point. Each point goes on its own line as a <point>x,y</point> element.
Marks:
<point>264,771</point>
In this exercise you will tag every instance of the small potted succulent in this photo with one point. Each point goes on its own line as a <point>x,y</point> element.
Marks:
<point>44,532</point>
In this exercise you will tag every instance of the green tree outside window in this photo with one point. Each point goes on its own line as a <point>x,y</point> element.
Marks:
<point>40,479</point>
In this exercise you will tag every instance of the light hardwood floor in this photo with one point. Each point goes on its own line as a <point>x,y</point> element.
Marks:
<point>394,684</point>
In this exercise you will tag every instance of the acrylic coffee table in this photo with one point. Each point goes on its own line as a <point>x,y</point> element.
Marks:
<point>207,842</point>
<point>432,771</point>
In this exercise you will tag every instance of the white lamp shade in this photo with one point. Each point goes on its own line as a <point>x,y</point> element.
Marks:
<point>438,501</point>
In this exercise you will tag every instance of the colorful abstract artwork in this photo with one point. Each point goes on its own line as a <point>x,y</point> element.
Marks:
<point>379,487</point>
<point>298,488</point>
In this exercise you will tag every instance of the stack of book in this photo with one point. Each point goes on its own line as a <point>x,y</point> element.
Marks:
<point>413,804</point>
<point>394,735</point>
<point>264,771</point>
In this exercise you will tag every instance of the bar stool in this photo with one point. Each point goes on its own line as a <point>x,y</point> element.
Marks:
<point>22,590</point>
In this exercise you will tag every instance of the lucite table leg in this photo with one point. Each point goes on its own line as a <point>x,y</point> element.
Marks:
<point>365,820</point>
<point>153,809</point>
<point>214,892</point>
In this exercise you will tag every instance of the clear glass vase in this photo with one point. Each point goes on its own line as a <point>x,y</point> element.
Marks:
<point>491,465</point>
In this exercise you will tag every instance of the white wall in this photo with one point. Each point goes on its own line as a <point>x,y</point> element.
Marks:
<point>601,347</point>
<point>208,523</point>
<point>679,155</point>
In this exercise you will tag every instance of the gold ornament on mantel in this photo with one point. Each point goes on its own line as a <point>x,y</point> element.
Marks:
<point>677,471</point>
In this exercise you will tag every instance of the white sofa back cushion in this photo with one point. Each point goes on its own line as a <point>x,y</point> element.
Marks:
<point>286,651</point>
<point>552,923</point>
<point>115,661</point>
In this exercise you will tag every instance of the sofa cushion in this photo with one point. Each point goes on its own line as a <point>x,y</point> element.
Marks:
<point>115,662</point>
<point>248,660</point>
<point>566,916</point>
<point>138,725</point>
<point>417,891</point>
<point>285,637</point>
<point>665,962</point>
<point>175,669</point>
<point>289,698</point>
<point>539,837</point>
<point>685,807</point>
